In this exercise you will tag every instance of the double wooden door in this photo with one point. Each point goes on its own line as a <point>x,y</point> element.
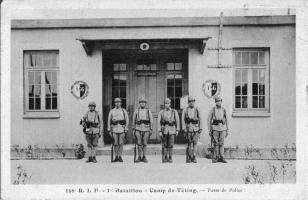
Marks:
<point>153,76</point>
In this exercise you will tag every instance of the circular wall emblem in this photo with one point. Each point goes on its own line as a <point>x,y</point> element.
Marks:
<point>80,89</point>
<point>144,46</point>
<point>211,88</point>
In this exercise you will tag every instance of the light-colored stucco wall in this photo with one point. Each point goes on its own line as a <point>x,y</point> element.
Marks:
<point>278,129</point>
<point>74,66</point>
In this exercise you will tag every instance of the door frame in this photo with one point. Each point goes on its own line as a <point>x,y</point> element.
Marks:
<point>131,56</point>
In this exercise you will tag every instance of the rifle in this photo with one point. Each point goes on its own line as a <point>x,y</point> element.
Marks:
<point>112,142</point>
<point>162,148</point>
<point>187,148</point>
<point>212,145</point>
<point>135,148</point>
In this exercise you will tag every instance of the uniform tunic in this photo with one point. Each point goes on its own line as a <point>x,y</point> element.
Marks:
<point>92,117</point>
<point>92,133</point>
<point>118,114</point>
<point>144,114</point>
<point>192,114</point>
<point>220,114</point>
<point>168,116</point>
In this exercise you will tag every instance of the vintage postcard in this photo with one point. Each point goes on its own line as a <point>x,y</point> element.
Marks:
<point>153,99</point>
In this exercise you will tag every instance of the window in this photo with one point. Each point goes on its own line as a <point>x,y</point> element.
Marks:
<point>175,89</point>
<point>146,65</point>
<point>175,78</point>
<point>251,80</point>
<point>175,66</point>
<point>119,83</point>
<point>118,67</point>
<point>41,81</point>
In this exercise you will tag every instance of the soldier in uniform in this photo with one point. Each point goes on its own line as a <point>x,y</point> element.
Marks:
<point>168,127</point>
<point>218,127</point>
<point>91,122</point>
<point>143,126</point>
<point>117,127</point>
<point>192,126</point>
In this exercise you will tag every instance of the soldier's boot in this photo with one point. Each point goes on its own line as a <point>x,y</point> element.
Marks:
<point>188,160</point>
<point>194,160</point>
<point>144,159</point>
<point>89,159</point>
<point>215,159</point>
<point>222,160</point>
<point>138,159</point>
<point>93,155</point>
<point>170,155</point>
<point>120,153</point>
<point>165,158</point>
<point>116,151</point>
<point>188,154</point>
<point>139,151</point>
<point>116,159</point>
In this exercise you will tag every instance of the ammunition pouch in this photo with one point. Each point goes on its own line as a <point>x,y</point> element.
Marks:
<point>216,122</point>
<point>193,121</point>
<point>116,122</point>
<point>164,123</point>
<point>146,122</point>
<point>91,124</point>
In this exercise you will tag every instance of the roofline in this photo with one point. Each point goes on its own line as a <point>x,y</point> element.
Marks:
<point>152,22</point>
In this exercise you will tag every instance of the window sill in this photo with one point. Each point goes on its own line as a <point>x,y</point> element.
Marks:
<point>250,114</point>
<point>41,115</point>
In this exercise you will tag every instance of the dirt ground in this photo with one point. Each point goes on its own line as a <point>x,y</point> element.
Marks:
<point>154,172</point>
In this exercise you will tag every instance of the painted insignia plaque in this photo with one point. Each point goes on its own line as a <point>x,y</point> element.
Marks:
<point>211,88</point>
<point>80,89</point>
<point>144,46</point>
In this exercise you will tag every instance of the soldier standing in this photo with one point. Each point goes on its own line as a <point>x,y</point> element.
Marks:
<point>92,129</point>
<point>143,126</point>
<point>218,127</point>
<point>168,128</point>
<point>192,126</point>
<point>118,127</point>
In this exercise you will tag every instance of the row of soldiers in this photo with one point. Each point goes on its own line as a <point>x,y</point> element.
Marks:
<point>168,128</point>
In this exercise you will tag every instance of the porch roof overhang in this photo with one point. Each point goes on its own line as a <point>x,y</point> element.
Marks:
<point>88,43</point>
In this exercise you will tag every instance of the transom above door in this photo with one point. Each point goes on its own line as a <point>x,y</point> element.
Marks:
<point>154,76</point>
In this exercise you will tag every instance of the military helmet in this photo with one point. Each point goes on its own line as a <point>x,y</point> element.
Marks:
<point>142,99</point>
<point>117,100</point>
<point>92,103</point>
<point>218,99</point>
<point>190,98</point>
<point>167,100</point>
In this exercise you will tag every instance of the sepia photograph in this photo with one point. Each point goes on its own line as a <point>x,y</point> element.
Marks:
<point>146,100</point>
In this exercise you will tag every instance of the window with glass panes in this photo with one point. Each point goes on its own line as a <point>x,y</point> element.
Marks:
<point>146,65</point>
<point>119,82</point>
<point>41,80</point>
<point>175,82</point>
<point>251,81</point>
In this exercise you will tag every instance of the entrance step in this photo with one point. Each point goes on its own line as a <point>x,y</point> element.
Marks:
<point>152,149</point>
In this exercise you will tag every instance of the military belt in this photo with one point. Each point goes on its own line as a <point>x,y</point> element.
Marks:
<point>168,123</point>
<point>216,122</point>
<point>193,121</point>
<point>116,122</point>
<point>146,122</point>
<point>91,124</point>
